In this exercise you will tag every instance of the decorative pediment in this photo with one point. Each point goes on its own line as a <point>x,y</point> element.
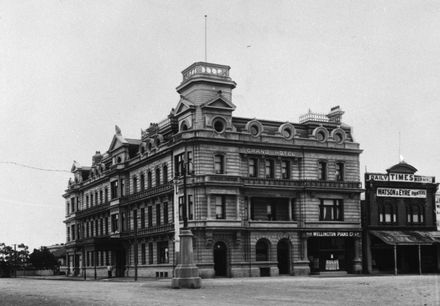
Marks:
<point>183,105</point>
<point>402,167</point>
<point>219,102</point>
<point>117,142</point>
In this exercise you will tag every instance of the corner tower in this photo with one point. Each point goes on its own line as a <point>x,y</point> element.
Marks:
<point>205,94</point>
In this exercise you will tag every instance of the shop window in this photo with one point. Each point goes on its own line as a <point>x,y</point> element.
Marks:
<point>387,214</point>
<point>220,207</point>
<point>134,184</point>
<point>157,176</point>
<point>262,250</point>
<point>253,167</point>
<point>162,252</point>
<point>269,168</point>
<point>142,177</point>
<point>331,210</point>
<point>415,214</point>
<point>322,170</point>
<point>219,164</point>
<point>285,169</point>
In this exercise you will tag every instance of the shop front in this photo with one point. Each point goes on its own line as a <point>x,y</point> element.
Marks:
<point>333,251</point>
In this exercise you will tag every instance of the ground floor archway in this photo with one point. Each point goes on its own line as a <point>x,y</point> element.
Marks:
<point>220,259</point>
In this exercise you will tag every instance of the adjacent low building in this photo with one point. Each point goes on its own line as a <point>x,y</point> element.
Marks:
<point>265,197</point>
<point>399,220</point>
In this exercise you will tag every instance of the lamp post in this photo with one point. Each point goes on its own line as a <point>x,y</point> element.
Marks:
<point>186,273</point>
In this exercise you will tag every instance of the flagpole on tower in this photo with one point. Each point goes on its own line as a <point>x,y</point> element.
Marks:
<point>206,38</point>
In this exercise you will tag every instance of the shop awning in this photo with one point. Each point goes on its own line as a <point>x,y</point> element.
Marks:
<point>407,237</point>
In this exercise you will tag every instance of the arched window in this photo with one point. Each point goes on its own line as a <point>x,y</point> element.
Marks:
<point>262,250</point>
<point>387,214</point>
<point>415,214</point>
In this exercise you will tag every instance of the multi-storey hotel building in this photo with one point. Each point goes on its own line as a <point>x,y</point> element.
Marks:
<point>264,197</point>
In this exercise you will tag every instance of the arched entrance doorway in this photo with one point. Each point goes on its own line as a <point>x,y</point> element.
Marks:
<point>283,255</point>
<point>220,259</point>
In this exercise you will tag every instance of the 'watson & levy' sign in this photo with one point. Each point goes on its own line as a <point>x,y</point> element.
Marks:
<point>400,177</point>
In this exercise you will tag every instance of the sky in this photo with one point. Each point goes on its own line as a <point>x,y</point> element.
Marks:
<point>72,70</point>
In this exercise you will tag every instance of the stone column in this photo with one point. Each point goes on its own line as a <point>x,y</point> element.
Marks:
<point>290,209</point>
<point>357,260</point>
<point>186,273</point>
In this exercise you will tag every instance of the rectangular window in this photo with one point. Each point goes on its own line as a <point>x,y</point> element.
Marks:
<point>157,214</point>
<point>157,176</point>
<point>220,207</point>
<point>91,199</point>
<point>115,222</point>
<point>253,167</point>
<point>101,197</point>
<point>122,187</point>
<point>387,214</point>
<point>269,168</point>
<point>165,213</point>
<point>134,184</point>
<point>106,194</point>
<point>219,164</point>
<point>165,174</point>
<point>322,170</point>
<point>142,181</point>
<point>190,207</point>
<point>101,227</point>
<point>178,164</point>
<point>180,208</point>
<point>162,252</point>
<point>73,232</point>
<point>68,233</point>
<point>150,253</point>
<point>106,225</point>
<point>285,169</point>
<point>270,209</point>
<point>150,216</point>
<point>135,219</point>
<point>87,201</point>
<point>143,254</point>
<point>114,189</point>
<point>150,179</point>
<point>331,210</point>
<point>339,171</point>
<point>415,214</point>
<point>189,163</point>
<point>142,217</point>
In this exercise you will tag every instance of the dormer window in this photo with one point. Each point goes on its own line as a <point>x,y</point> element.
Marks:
<point>219,124</point>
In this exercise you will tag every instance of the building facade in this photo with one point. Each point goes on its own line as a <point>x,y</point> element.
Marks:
<point>399,220</point>
<point>263,197</point>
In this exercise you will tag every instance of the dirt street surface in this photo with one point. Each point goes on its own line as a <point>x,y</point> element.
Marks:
<point>367,290</point>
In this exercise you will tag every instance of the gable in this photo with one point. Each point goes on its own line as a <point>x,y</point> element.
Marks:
<point>117,142</point>
<point>402,167</point>
<point>219,103</point>
<point>183,105</point>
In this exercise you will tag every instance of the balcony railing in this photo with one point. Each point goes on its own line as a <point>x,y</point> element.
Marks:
<point>256,181</point>
<point>202,68</point>
<point>149,230</point>
<point>93,210</point>
<point>147,193</point>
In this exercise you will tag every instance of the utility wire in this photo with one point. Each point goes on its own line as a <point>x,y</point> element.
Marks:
<point>32,167</point>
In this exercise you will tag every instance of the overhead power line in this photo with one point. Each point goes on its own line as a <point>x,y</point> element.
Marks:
<point>32,167</point>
